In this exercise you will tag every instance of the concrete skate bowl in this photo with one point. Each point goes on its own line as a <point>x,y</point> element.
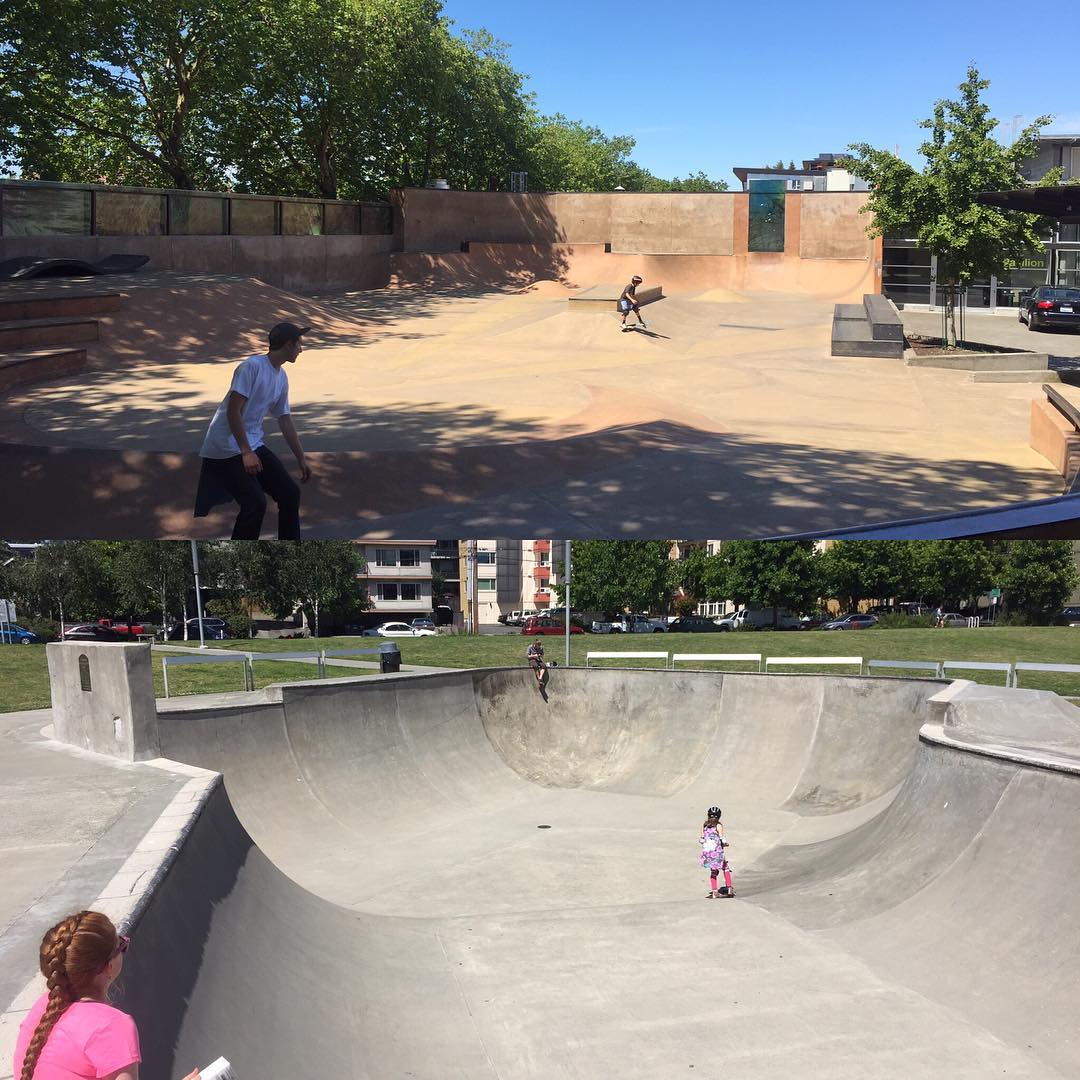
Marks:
<point>450,875</point>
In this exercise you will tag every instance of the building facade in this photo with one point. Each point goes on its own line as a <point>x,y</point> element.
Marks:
<point>909,273</point>
<point>398,579</point>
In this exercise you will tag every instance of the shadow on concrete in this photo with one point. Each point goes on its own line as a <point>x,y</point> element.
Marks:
<point>639,481</point>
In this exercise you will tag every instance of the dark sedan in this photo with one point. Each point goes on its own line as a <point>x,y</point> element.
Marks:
<point>692,624</point>
<point>1050,305</point>
<point>94,632</point>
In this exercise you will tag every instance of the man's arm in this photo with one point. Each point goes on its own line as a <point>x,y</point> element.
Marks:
<point>235,414</point>
<point>288,429</point>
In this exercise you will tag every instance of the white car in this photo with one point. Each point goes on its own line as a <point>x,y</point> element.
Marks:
<point>398,629</point>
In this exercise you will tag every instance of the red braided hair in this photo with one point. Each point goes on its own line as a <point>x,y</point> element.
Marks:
<point>73,953</point>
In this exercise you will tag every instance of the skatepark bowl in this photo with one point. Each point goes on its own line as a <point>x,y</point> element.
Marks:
<point>433,407</point>
<point>452,875</point>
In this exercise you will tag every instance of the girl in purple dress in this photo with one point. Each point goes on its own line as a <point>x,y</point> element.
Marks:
<point>713,856</point>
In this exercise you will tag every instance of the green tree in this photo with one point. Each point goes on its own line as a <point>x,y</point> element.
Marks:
<point>615,575</point>
<point>854,570</point>
<point>154,575</point>
<point>1038,577</point>
<point>568,155</point>
<point>767,573</point>
<point>62,580</point>
<point>937,206</point>
<point>120,91</point>
<point>315,576</point>
<point>952,572</point>
<point>697,182</point>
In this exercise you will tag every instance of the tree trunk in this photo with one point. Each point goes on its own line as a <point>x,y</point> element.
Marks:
<point>315,609</point>
<point>950,315</point>
<point>60,604</point>
<point>183,615</point>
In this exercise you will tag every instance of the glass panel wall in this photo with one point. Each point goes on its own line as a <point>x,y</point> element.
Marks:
<point>301,219</point>
<point>1068,271</point>
<point>766,226</point>
<point>253,217</point>
<point>44,211</point>
<point>195,215</point>
<point>341,218</point>
<point>129,213</point>
<point>905,273</point>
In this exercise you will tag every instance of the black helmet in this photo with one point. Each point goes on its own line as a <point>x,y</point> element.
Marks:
<point>714,811</point>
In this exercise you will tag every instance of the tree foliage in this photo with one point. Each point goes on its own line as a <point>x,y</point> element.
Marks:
<point>770,574</point>
<point>937,206</point>
<point>1038,577</point>
<point>615,575</point>
<point>326,98</point>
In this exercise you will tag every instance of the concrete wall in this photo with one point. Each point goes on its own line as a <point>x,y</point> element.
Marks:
<point>117,715</point>
<point>832,226</point>
<point>296,263</point>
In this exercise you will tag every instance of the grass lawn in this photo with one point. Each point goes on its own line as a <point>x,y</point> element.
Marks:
<point>24,678</point>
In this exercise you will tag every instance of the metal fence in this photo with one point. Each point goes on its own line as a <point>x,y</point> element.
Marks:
<point>43,208</point>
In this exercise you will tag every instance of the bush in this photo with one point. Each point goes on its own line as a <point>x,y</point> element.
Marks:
<point>905,622</point>
<point>46,629</point>
<point>237,617</point>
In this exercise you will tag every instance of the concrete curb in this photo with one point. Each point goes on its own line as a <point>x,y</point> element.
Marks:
<point>126,896</point>
<point>1035,759</point>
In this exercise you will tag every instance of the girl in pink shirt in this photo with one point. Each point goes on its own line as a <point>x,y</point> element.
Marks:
<point>72,1033</point>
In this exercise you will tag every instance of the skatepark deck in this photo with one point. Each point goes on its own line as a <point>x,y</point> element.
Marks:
<point>370,893</point>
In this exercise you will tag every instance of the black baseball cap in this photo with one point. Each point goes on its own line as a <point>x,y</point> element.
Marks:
<point>285,332</point>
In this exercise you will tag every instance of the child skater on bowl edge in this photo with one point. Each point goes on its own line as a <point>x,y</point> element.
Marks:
<point>713,857</point>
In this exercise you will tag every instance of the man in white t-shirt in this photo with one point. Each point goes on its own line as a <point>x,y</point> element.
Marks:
<point>236,463</point>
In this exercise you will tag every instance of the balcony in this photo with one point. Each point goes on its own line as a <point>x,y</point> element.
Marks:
<point>541,574</point>
<point>540,546</point>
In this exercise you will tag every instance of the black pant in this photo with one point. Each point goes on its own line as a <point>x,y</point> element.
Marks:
<point>251,491</point>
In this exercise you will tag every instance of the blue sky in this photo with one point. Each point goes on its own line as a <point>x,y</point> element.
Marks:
<point>711,85</point>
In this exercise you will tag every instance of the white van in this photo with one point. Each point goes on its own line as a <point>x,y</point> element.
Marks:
<point>759,619</point>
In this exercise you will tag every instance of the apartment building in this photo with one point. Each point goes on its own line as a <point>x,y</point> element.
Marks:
<point>511,575</point>
<point>398,579</point>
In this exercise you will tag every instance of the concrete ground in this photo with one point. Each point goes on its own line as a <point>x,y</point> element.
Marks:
<point>454,875</point>
<point>472,410</point>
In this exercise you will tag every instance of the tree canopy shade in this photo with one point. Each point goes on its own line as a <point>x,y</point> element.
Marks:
<point>939,207</point>
<point>326,98</point>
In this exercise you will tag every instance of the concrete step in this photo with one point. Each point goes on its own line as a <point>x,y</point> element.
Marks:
<point>29,333</point>
<point>882,316</point>
<point>1041,376</point>
<point>849,312</point>
<point>61,305</point>
<point>985,362</point>
<point>35,365</point>
<point>851,338</point>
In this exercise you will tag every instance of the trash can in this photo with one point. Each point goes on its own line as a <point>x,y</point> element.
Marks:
<point>389,657</point>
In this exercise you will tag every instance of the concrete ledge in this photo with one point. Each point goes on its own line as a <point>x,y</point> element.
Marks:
<point>61,303</point>
<point>988,361</point>
<point>1055,438</point>
<point>1034,376</point>
<point>30,366</point>
<point>129,892</point>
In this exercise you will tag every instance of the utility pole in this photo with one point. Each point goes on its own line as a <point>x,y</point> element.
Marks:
<point>198,593</point>
<point>566,594</point>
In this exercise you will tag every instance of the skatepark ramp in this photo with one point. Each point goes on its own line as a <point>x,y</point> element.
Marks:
<point>454,875</point>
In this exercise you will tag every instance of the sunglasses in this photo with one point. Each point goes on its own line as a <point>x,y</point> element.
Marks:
<point>123,943</point>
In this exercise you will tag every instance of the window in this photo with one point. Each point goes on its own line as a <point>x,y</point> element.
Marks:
<point>385,557</point>
<point>485,558</point>
<point>766,222</point>
<point>410,556</point>
<point>543,558</point>
<point>485,584</point>
<point>409,591</point>
<point>84,672</point>
<point>388,590</point>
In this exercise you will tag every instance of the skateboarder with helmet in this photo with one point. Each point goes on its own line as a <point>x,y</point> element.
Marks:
<point>713,855</point>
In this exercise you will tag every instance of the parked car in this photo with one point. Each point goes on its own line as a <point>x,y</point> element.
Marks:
<point>517,618</point>
<point>397,629</point>
<point>93,632</point>
<point>692,624</point>
<point>813,622</point>
<point>851,622</point>
<point>128,629</point>
<point>545,624</point>
<point>1050,305</point>
<point>1071,614</point>
<point>213,630</point>
<point>759,619</point>
<point>14,634</point>
<point>951,618</point>
<point>422,624</point>
<point>630,624</point>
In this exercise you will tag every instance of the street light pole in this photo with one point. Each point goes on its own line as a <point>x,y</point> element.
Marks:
<point>566,591</point>
<point>198,593</point>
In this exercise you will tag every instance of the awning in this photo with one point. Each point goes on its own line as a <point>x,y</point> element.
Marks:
<point>1061,202</point>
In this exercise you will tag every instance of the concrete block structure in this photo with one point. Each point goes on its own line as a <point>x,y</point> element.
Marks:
<point>103,698</point>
